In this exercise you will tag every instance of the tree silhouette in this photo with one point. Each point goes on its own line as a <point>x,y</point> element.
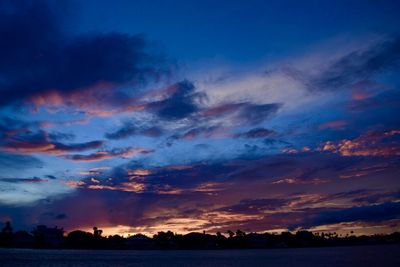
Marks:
<point>6,236</point>
<point>231,234</point>
<point>45,237</point>
<point>97,232</point>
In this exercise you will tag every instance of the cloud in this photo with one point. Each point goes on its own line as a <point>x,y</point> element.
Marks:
<point>102,155</point>
<point>285,170</point>
<point>222,109</point>
<point>51,176</point>
<point>256,133</point>
<point>366,89</point>
<point>334,125</point>
<point>182,179</point>
<point>370,144</point>
<point>124,132</point>
<point>255,206</point>
<point>10,126</point>
<point>241,176</point>
<point>57,136</point>
<point>298,181</point>
<point>232,194</point>
<point>129,129</point>
<point>204,131</point>
<point>61,216</point>
<point>22,180</point>
<point>254,114</point>
<point>358,65</point>
<point>372,213</point>
<point>262,85</point>
<point>180,104</point>
<point>39,56</point>
<point>39,142</point>
<point>27,191</point>
<point>386,99</point>
<point>377,198</point>
<point>16,162</point>
<point>242,113</point>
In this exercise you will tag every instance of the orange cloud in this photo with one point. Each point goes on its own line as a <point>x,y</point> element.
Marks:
<point>139,172</point>
<point>370,144</point>
<point>74,183</point>
<point>41,143</point>
<point>91,99</point>
<point>126,187</point>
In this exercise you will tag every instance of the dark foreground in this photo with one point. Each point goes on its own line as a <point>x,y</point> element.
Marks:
<point>363,256</point>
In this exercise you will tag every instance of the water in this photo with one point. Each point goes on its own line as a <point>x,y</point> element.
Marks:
<point>308,257</point>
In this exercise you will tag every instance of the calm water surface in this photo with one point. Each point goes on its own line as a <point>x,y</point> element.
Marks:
<point>307,257</point>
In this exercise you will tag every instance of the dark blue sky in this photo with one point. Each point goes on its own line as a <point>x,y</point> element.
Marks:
<point>200,115</point>
<point>236,30</point>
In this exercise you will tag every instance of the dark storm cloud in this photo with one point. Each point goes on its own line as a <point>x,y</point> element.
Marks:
<point>359,65</point>
<point>180,104</point>
<point>129,129</point>
<point>37,55</point>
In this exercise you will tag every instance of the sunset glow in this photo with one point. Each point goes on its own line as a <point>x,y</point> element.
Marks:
<point>210,116</point>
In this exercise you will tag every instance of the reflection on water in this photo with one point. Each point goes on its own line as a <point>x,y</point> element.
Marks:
<point>310,257</point>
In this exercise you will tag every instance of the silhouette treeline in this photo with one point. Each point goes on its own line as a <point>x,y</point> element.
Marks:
<point>45,237</point>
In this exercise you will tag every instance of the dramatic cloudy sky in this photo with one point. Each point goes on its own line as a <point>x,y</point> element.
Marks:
<point>141,116</point>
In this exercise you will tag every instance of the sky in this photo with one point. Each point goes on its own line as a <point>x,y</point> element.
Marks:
<point>147,116</point>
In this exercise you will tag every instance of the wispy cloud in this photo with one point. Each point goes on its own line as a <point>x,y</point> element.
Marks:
<point>102,155</point>
<point>28,143</point>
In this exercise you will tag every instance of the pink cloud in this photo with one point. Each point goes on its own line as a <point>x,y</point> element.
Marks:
<point>366,89</point>
<point>334,125</point>
<point>40,143</point>
<point>369,144</point>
